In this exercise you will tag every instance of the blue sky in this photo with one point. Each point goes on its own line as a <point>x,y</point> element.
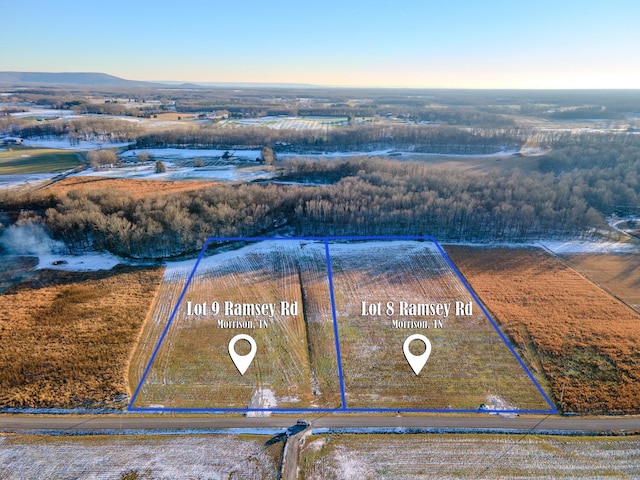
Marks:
<point>454,44</point>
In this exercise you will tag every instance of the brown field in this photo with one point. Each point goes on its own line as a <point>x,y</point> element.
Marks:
<point>136,188</point>
<point>66,337</point>
<point>585,341</point>
<point>617,273</point>
<point>174,116</point>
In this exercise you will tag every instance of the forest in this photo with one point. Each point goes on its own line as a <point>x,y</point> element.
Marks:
<point>361,196</point>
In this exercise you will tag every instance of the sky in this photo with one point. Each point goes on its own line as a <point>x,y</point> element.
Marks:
<point>395,43</point>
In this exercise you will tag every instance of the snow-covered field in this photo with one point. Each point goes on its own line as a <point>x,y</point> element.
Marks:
<point>287,123</point>
<point>63,143</point>
<point>577,246</point>
<point>150,456</point>
<point>221,173</point>
<point>41,112</point>
<point>183,153</point>
<point>422,456</point>
<point>27,180</point>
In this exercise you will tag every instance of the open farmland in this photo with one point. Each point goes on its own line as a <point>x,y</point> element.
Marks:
<point>138,189</point>
<point>584,340</point>
<point>24,160</point>
<point>416,456</point>
<point>469,365</point>
<point>66,338</point>
<point>139,457</point>
<point>295,363</point>
<point>618,273</point>
<point>287,123</point>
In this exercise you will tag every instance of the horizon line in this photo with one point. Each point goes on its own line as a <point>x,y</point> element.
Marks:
<point>284,84</point>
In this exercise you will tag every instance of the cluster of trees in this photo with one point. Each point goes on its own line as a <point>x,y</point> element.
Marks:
<point>101,157</point>
<point>111,108</point>
<point>421,138</point>
<point>165,226</point>
<point>89,128</point>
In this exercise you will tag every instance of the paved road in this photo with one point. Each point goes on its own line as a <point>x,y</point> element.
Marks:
<point>449,423</point>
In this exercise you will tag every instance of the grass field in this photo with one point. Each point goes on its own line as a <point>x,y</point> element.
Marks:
<point>418,456</point>
<point>585,341</point>
<point>66,338</point>
<point>143,457</point>
<point>25,160</point>
<point>618,273</point>
<point>295,363</point>
<point>469,364</point>
<point>138,189</point>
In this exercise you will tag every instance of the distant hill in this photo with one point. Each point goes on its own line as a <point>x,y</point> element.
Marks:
<point>68,78</point>
<point>106,80</point>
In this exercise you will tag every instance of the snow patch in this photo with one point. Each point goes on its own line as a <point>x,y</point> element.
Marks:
<point>349,466</point>
<point>262,398</point>
<point>79,263</point>
<point>577,246</point>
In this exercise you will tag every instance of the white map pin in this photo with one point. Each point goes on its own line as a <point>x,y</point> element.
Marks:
<point>242,362</point>
<point>417,361</point>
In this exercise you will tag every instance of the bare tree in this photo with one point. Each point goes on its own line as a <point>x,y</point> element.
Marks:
<point>144,156</point>
<point>98,158</point>
<point>268,156</point>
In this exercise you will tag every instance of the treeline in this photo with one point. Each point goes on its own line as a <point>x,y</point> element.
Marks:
<point>372,197</point>
<point>463,116</point>
<point>88,128</point>
<point>420,138</point>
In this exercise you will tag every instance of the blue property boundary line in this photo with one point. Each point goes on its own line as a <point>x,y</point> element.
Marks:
<point>166,329</point>
<point>335,325</point>
<point>343,408</point>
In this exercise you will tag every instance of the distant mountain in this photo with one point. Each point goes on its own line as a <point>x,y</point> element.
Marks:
<point>106,80</point>
<point>68,78</point>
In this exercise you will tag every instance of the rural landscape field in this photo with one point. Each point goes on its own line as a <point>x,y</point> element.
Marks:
<point>583,339</point>
<point>115,203</point>
<point>295,365</point>
<point>298,364</point>
<point>342,456</point>
<point>131,457</point>
<point>469,366</point>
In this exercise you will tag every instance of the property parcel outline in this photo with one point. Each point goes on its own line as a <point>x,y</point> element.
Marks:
<point>343,407</point>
